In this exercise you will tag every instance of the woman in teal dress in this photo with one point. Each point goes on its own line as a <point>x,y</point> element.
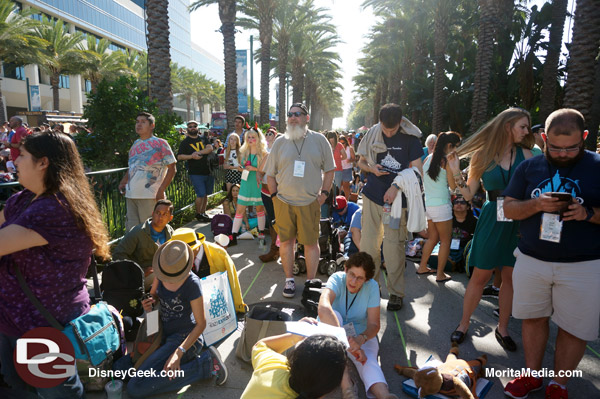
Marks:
<point>253,153</point>
<point>495,150</point>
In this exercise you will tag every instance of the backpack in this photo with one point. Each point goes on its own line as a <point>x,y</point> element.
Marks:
<point>123,287</point>
<point>221,224</point>
<point>311,295</point>
<point>212,159</point>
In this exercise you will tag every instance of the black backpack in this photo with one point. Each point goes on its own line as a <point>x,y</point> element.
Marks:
<point>311,295</point>
<point>123,287</point>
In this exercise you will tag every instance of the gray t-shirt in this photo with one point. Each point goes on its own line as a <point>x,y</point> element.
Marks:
<point>316,153</point>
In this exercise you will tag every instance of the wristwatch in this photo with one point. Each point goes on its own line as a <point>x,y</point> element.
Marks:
<point>590,213</point>
<point>325,192</point>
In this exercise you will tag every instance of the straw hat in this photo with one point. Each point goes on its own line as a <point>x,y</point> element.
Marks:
<point>189,236</point>
<point>173,261</point>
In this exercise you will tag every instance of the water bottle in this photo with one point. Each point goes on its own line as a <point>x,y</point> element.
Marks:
<point>261,242</point>
<point>387,210</point>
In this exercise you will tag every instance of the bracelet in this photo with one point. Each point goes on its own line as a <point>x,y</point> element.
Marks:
<point>181,348</point>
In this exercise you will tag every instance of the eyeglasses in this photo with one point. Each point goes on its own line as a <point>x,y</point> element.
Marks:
<point>351,276</point>
<point>269,134</point>
<point>297,114</point>
<point>568,150</point>
<point>192,126</point>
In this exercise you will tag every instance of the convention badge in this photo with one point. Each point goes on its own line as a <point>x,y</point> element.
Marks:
<point>299,168</point>
<point>350,331</point>
<point>245,174</point>
<point>455,244</point>
<point>551,227</point>
<point>152,322</point>
<point>500,211</point>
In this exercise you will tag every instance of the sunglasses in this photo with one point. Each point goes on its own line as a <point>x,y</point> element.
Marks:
<point>460,202</point>
<point>192,126</point>
<point>297,114</point>
<point>269,134</point>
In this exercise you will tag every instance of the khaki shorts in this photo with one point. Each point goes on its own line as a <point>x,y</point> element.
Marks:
<point>301,222</point>
<point>566,291</point>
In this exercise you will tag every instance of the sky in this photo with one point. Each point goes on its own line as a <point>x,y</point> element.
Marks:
<point>352,22</point>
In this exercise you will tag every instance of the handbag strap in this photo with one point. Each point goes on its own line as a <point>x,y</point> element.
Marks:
<point>38,305</point>
<point>97,295</point>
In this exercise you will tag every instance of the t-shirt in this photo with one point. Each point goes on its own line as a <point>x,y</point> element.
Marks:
<point>314,150</point>
<point>402,150</point>
<point>20,132</point>
<point>346,218</point>
<point>579,239</point>
<point>233,158</point>
<point>190,145</point>
<point>337,156</point>
<point>175,309</point>
<point>464,230</point>
<point>356,222</point>
<point>148,161</point>
<point>354,309</point>
<point>271,376</point>
<point>55,272</point>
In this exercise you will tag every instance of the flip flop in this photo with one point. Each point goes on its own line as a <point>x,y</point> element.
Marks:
<point>444,280</point>
<point>429,271</point>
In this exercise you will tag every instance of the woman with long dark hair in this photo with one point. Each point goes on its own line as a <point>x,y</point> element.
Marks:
<point>437,181</point>
<point>48,231</point>
<point>495,150</point>
<point>347,165</point>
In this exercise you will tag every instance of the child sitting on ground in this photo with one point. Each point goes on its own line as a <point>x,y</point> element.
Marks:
<point>183,321</point>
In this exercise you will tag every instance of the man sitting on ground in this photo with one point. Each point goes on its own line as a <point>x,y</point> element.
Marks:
<point>141,242</point>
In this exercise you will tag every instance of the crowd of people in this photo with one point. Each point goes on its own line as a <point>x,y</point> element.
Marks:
<point>292,181</point>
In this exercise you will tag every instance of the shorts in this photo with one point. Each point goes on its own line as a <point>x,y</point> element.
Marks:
<point>301,222</point>
<point>347,174</point>
<point>440,213</point>
<point>566,291</point>
<point>203,184</point>
<point>233,176</point>
<point>337,178</point>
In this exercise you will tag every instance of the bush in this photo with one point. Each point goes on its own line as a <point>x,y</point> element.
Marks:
<point>111,112</point>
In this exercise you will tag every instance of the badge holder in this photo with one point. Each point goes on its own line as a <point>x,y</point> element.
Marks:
<point>500,211</point>
<point>299,168</point>
<point>551,227</point>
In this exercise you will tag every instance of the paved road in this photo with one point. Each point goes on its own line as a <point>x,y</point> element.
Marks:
<point>422,328</point>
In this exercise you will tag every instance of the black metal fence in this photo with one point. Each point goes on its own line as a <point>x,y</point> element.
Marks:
<point>105,184</point>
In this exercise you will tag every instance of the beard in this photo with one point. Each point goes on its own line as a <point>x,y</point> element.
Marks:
<point>564,162</point>
<point>295,132</point>
<point>192,132</point>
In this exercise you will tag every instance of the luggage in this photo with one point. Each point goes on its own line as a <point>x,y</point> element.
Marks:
<point>311,295</point>
<point>265,319</point>
<point>221,224</point>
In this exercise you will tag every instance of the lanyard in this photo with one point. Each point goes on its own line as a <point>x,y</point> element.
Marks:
<point>509,169</point>
<point>299,150</point>
<point>351,303</point>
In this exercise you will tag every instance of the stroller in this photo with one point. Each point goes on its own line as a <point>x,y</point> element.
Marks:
<point>331,258</point>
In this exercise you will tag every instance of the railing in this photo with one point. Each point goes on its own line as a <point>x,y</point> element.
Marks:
<point>105,184</point>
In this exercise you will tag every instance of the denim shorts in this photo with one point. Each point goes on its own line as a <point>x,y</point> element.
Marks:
<point>203,184</point>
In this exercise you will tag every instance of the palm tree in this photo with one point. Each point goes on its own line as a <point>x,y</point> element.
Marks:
<point>483,65</point>
<point>138,63</point>
<point>260,17</point>
<point>103,63</point>
<point>62,55</point>
<point>182,80</point>
<point>159,56</point>
<point>549,82</point>
<point>227,11</point>
<point>202,88</point>
<point>18,42</point>
<point>582,58</point>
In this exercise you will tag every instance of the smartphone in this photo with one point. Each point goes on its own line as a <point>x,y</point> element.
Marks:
<point>562,196</point>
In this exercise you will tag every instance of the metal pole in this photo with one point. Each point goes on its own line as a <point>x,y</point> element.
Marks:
<point>251,78</point>
<point>28,95</point>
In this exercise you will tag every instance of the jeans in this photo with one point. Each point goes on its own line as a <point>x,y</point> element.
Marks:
<point>71,388</point>
<point>195,365</point>
<point>349,246</point>
<point>268,203</point>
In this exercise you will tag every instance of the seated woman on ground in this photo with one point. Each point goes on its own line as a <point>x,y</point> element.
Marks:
<point>351,300</point>
<point>183,321</point>
<point>230,204</point>
<point>313,369</point>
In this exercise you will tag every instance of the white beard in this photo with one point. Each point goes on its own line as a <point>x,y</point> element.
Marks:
<point>295,132</point>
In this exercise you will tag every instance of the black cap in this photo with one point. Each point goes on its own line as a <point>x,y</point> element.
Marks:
<point>301,106</point>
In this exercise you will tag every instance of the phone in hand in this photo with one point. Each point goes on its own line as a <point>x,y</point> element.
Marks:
<point>562,197</point>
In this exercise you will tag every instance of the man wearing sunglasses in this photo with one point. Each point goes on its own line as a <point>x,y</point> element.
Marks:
<point>299,173</point>
<point>557,273</point>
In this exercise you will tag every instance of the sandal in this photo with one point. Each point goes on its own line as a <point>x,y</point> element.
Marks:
<point>429,271</point>
<point>506,342</point>
<point>458,336</point>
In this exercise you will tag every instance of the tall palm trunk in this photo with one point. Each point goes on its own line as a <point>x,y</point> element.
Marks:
<point>483,63</point>
<point>265,69</point>
<point>582,57</point>
<point>281,73</point>
<point>2,114</point>
<point>441,40</point>
<point>376,102</point>
<point>549,80</point>
<point>231,100</point>
<point>594,122</point>
<point>54,80</point>
<point>159,57</point>
<point>297,82</point>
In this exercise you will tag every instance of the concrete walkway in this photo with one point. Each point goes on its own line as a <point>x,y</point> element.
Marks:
<point>422,328</point>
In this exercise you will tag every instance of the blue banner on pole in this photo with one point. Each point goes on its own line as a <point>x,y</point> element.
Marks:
<point>242,80</point>
<point>34,95</point>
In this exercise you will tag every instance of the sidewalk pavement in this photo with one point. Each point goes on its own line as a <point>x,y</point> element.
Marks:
<point>408,337</point>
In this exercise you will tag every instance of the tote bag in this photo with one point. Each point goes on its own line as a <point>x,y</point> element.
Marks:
<point>219,309</point>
